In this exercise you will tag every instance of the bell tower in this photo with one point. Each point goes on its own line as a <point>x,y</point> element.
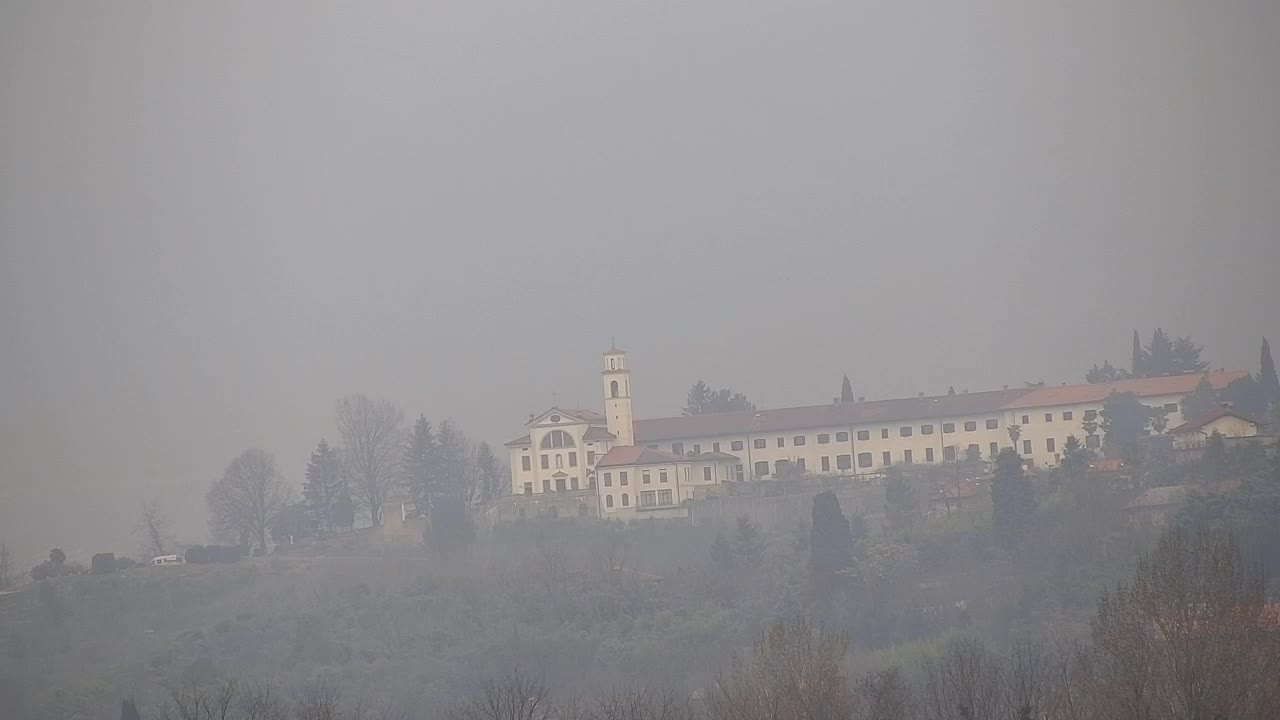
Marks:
<point>617,396</point>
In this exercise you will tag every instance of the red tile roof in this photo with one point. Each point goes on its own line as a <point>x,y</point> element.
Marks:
<point>523,441</point>
<point>1203,420</point>
<point>1142,387</point>
<point>824,416</point>
<point>596,432</point>
<point>635,455</point>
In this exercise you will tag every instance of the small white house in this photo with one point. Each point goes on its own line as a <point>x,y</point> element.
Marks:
<point>168,560</point>
<point>1226,422</point>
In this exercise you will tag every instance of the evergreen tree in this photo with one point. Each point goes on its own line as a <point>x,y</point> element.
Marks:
<point>1201,401</point>
<point>419,464</point>
<point>1159,354</point>
<point>1075,457</point>
<point>721,553</point>
<point>1185,357</point>
<point>703,400</point>
<point>900,505</point>
<point>1267,376</point>
<point>324,481</point>
<point>1124,420</point>
<point>1139,366</point>
<point>344,511</point>
<point>747,543</point>
<point>830,540</point>
<point>490,475</point>
<point>452,461</point>
<point>846,391</point>
<point>951,390</point>
<point>451,526</point>
<point>1105,374</point>
<point>1246,397</point>
<point>1012,498</point>
<point>129,710</point>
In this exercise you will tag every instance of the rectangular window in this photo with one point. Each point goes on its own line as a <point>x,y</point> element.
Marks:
<point>949,453</point>
<point>842,437</point>
<point>1090,414</point>
<point>864,460</point>
<point>1067,415</point>
<point>995,449</point>
<point>864,434</point>
<point>608,479</point>
<point>608,501</point>
<point>715,447</point>
<point>884,433</point>
<point>686,473</point>
<point>928,454</point>
<point>1048,417</point>
<point>906,457</point>
<point>800,464</point>
<point>622,478</point>
<point>885,459</point>
<point>781,467</point>
<point>926,429</point>
<point>904,431</point>
<point>738,473</point>
<point>648,498</point>
<point>823,438</point>
<point>736,445</point>
<point>573,459</point>
<point>528,488</point>
<point>1026,447</point>
<point>546,486</point>
<point>974,450</point>
<point>797,440</point>
<point>844,462</point>
<point>706,473</point>
<point>662,476</point>
<point>626,500</point>
<point>545,462</point>
<point>644,477</point>
<point>826,463</point>
<point>591,458</point>
<point>970,426</point>
<point>677,448</point>
<point>1092,442</point>
<point>993,424</point>
<point>573,483</point>
<point>1026,419</point>
<point>948,427</point>
<point>759,443</point>
<point>1171,407</point>
<point>762,469</point>
<point>525,465</point>
<point>697,449</point>
<point>1051,445</point>
<point>664,497</point>
<point>782,442</point>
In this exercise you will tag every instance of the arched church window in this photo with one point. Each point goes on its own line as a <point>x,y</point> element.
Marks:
<point>611,366</point>
<point>557,439</point>
<point>613,389</point>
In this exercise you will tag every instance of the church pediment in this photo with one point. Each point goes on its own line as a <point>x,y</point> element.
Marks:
<point>556,417</point>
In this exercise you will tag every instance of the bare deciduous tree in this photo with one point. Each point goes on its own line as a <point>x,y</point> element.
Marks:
<point>885,696</point>
<point>371,437</point>
<point>963,684</point>
<point>796,671</point>
<point>511,698</point>
<point>247,498</point>
<point>155,530</point>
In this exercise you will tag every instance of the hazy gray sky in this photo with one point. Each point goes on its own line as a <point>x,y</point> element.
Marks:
<point>216,218</point>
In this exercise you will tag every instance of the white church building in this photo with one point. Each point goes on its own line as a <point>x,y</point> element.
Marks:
<point>649,468</point>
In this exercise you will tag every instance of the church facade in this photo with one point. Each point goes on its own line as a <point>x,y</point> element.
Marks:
<point>650,468</point>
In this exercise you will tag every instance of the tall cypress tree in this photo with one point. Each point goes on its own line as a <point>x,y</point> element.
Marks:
<point>1012,499</point>
<point>1139,362</point>
<point>1159,359</point>
<point>490,477</point>
<point>830,541</point>
<point>846,391</point>
<point>1267,375</point>
<point>324,483</point>
<point>1201,401</point>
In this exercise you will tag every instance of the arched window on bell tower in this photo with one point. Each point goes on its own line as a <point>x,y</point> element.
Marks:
<point>613,389</point>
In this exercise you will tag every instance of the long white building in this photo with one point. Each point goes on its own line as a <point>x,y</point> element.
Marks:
<point>649,466</point>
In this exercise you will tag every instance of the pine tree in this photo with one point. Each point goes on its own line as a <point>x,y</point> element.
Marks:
<point>1075,457</point>
<point>1159,354</point>
<point>1267,376</point>
<point>747,543</point>
<point>1201,401</point>
<point>490,476</point>
<point>324,482</point>
<point>721,553</point>
<point>1012,499</point>
<point>129,710</point>
<point>830,541</point>
<point>1139,367</point>
<point>846,391</point>
<point>1185,357</point>
<point>951,390</point>
<point>1246,397</point>
<point>419,464</point>
<point>1124,420</point>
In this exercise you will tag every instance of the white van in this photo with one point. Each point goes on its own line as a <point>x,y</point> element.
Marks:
<point>168,560</point>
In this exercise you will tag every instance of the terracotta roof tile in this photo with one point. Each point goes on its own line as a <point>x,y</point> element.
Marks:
<point>595,433</point>
<point>636,455</point>
<point>523,441</point>
<point>1142,387</point>
<point>1203,420</point>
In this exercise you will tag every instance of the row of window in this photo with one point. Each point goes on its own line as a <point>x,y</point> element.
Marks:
<point>562,484</point>
<point>1067,415</point>
<point>647,498</point>
<point>545,461</point>
<point>841,437</point>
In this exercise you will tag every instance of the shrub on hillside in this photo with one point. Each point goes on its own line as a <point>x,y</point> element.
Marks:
<point>103,563</point>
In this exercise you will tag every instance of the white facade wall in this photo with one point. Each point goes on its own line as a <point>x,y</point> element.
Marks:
<point>574,461</point>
